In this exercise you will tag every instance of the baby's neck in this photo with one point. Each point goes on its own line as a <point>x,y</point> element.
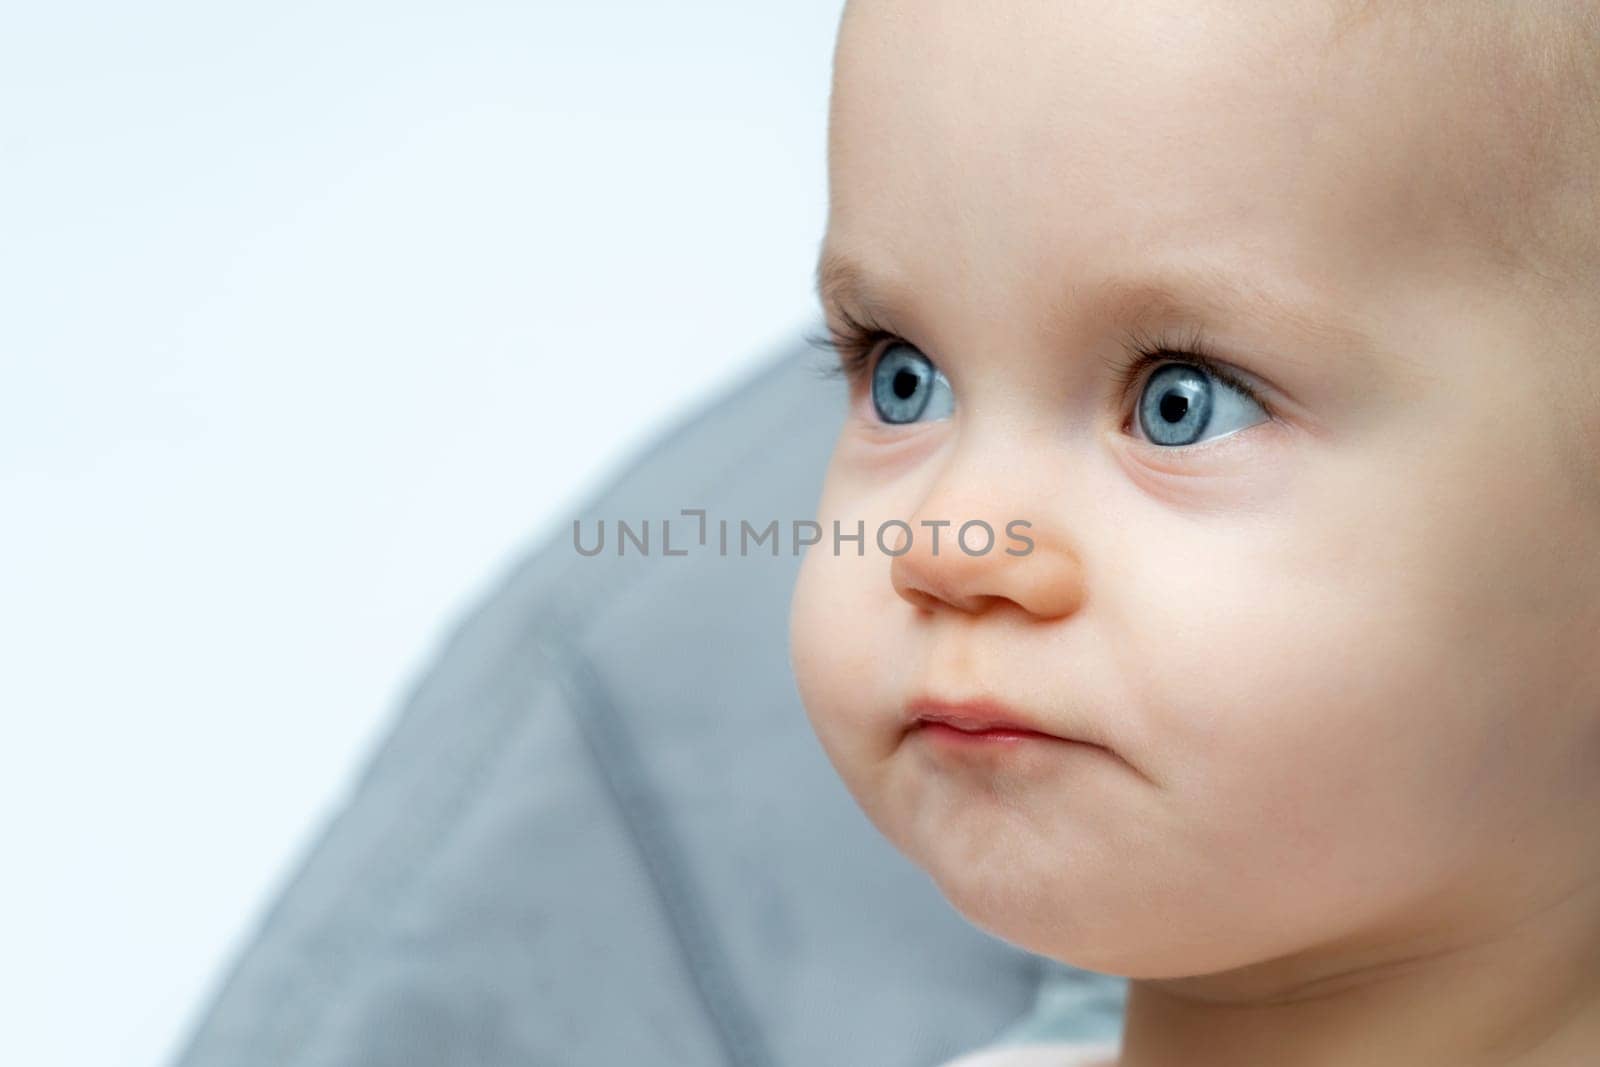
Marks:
<point>1525,995</point>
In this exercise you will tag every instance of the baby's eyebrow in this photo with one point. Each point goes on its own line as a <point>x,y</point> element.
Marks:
<point>842,282</point>
<point>1206,294</point>
<point>1199,293</point>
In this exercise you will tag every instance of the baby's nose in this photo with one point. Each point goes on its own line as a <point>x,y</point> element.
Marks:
<point>974,562</point>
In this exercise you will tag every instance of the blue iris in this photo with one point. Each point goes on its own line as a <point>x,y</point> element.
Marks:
<point>906,386</point>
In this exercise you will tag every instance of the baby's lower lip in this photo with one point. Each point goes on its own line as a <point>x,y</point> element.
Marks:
<point>1011,747</point>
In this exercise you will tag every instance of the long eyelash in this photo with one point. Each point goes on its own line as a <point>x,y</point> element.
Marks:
<point>852,342</point>
<point>1144,349</point>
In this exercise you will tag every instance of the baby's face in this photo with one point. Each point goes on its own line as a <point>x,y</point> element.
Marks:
<point>1336,631</point>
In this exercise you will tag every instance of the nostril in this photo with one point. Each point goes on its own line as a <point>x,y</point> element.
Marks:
<point>924,600</point>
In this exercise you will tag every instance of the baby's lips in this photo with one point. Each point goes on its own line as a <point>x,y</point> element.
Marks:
<point>982,712</point>
<point>973,714</point>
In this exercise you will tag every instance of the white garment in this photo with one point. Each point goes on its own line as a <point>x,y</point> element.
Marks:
<point>1052,1054</point>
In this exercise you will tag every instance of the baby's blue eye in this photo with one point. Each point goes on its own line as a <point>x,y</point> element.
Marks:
<point>906,386</point>
<point>1178,404</point>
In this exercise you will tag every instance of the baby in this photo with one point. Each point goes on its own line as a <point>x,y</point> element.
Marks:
<point>1224,429</point>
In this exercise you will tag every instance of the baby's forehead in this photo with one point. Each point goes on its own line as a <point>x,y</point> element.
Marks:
<point>1525,78</point>
<point>1468,121</point>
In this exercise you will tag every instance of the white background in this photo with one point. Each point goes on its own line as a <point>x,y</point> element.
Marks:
<point>312,317</point>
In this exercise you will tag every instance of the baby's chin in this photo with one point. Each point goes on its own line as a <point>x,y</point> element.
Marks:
<point>1052,909</point>
<point>1076,902</point>
<point>1063,917</point>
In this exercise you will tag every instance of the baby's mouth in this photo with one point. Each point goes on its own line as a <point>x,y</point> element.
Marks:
<point>950,731</point>
<point>974,716</point>
<point>979,723</point>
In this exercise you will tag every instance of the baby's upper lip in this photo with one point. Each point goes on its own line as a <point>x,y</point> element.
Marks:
<point>973,714</point>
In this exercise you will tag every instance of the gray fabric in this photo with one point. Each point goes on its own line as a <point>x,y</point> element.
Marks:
<point>1070,1005</point>
<point>600,830</point>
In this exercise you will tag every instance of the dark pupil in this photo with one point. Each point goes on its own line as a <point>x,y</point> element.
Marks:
<point>905,383</point>
<point>1174,406</point>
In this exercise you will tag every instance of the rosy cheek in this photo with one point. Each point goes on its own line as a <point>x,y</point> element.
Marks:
<point>820,627</point>
<point>837,641</point>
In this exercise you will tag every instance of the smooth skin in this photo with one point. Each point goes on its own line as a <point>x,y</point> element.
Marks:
<point>1344,660</point>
